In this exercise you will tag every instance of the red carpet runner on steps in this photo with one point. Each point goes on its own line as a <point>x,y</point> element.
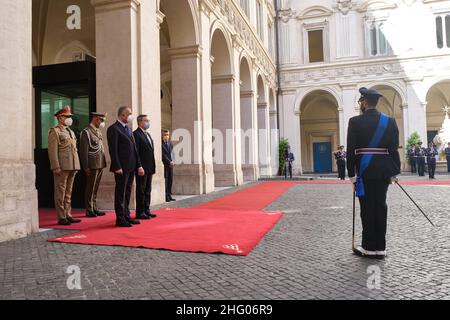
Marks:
<point>232,225</point>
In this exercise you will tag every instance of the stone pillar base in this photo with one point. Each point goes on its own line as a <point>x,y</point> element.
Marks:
<point>225,175</point>
<point>191,180</point>
<point>18,200</point>
<point>250,172</point>
<point>266,170</point>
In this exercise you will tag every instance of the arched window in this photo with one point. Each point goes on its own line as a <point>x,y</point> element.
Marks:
<point>439,33</point>
<point>377,44</point>
<point>443,31</point>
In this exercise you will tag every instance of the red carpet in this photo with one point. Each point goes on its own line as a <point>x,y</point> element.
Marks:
<point>232,225</point>
<point>254,198</point>
<point>194,230</point>
<point>403,182</point>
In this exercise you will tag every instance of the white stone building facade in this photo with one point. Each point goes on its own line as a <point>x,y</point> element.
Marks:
<point>205,69</point>
<point>329,49</point>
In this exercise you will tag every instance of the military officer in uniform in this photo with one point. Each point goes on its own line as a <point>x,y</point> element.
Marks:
<point>420,153</point>
<point>64,162</point>
<point>93,161</point>
<point>289,160</point>
<point>447,155</point>
<point>412,158</point>
<point>340,157</point>
<point>431,153</point>
<point>373,162</point>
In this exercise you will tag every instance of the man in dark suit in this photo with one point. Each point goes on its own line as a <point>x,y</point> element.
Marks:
<point>146,151</point>
<point>167,148</point>
<point>124,163</point>
<point>372,155</point>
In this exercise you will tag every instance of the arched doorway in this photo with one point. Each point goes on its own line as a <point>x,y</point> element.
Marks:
<point>64,73</point>
<point>182,97</point>
<point>248,135</point>
<point>222,103</point>
<point>319,125</point>
<point>438,97</point>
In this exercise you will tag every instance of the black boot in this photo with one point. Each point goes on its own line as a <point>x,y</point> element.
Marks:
<point>90,214</point>
<point>64,222</point>
<point>99,213</point>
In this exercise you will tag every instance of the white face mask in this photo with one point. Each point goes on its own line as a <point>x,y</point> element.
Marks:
<point>147,125</point>
<point>68,122</point>
<point>130,118</point>
<point>102,125</point>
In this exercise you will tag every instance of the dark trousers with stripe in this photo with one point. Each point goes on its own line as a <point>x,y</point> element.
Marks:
<point>413,161</point>
<point>421,166</point>
<point>374,214</point>
<point>448,163</point>
<point>431,167</point>
<point>341,169</point>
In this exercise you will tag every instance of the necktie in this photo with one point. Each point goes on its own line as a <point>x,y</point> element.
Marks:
<point>149,139</point>
<point>128,131</point>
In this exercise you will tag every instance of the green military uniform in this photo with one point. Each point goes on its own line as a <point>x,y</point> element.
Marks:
<point>63,154</point>
<point>92,156</point>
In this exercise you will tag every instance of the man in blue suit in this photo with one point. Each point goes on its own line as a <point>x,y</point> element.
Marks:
<point>124,163</point>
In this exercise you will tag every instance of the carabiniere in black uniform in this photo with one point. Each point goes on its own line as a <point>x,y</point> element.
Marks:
<point>340,157</point>
<point>375,175</point>
<point>431,153</point>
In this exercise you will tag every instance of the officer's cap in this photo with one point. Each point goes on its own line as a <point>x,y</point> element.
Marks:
<point>64,112</point>
<point>102,116</point>
<point>369,94</point>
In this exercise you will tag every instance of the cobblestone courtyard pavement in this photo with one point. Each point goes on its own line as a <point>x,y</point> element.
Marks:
<point>306,256</point>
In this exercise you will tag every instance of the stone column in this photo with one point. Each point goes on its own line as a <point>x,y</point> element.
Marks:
<point>348,109</point>
<point>342,128</point>
<point>290,127</point>
<point>237,134</point>
<point>18,195</point>
<point>128,70</point>
<point>417,115</point>
<point>224,126</point>
<point>406,133</point>
<point>264,139</point>
<point>274,139</point>
<point>191,122</point>
<point>248,137</point>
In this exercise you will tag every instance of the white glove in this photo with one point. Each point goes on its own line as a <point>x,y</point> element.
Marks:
<point>394,180</point>
<point>353,179</point>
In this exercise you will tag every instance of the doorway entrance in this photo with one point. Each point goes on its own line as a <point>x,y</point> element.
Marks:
<point>56,86</point>
<point>322,157</point>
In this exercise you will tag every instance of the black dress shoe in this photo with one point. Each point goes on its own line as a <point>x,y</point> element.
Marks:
<point>142,216</point>
<point>72,220</point>
<point>168,200</point>
<point>133,221</point>
<point>123,224</point>
<point>151,215</point>
<point>99,213</point>
<point>172,199</point>
<point>64,222</point>
<point>90,214</point>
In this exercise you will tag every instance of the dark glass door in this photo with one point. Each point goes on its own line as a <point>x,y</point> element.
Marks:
<point>56,86</point>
